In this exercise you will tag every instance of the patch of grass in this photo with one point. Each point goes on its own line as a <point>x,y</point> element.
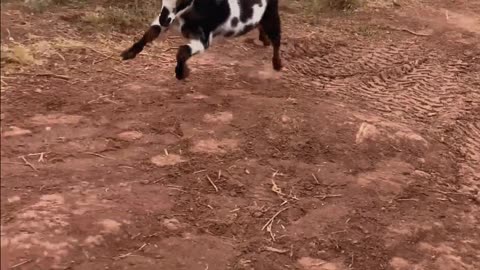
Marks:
<point>127,14</point>
<point>323,5</point>
<point>118,18</point>
<point>109,14</point>
<point>40,6</point>
<point>17,54</point>
<point>315,8</point>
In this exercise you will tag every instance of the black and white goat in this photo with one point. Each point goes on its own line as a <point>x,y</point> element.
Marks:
<point>202,20</point>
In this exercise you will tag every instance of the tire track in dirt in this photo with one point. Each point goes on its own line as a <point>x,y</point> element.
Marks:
<point>403,80</point>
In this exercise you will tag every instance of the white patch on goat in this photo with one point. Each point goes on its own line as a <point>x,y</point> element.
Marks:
<point>235,10</point>
<point>170,6</point>
<point>196,46</point>
<point>156,21</point>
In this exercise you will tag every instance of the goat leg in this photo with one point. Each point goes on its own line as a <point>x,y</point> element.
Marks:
<point>151,34</point>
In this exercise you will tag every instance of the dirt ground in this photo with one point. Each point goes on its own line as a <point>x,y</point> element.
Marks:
<point>364,153</point>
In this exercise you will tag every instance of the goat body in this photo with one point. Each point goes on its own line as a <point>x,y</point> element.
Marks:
<point>202,20</point>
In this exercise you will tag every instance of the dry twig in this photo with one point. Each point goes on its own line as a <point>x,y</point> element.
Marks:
<point>325,196</point>
<point>28,163</point>
<point>407,199</point>
<point>121,72</point>
<point>451,192</point>
<point>41,156</point>
<point>20,264</point>
<point>269,223</point>
<point>130,253</point>
<point>276,250</point>
<point>409,31</point>
<point>276,188</point>
<point>315,178</point>
<point>104,54</point>
<point>212,183</point>
<point>63,77</point>
<point>99,155</point>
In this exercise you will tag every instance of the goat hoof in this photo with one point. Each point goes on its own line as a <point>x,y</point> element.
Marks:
<point>277,64</point>
<point>181,71</point>
<point>128,54</point>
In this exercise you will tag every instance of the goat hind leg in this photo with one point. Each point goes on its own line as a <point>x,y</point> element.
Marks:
<point>262,36</point>
<point>272,26</point>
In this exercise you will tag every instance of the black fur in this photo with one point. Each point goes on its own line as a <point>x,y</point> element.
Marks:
<point>203,18</point>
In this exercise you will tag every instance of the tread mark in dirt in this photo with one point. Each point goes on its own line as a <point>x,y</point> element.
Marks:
<point>397,80</point>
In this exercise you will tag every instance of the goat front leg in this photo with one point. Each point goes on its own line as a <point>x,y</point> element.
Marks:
<point>196,46</point>
<point>161,22</point>
<point>151,34</point>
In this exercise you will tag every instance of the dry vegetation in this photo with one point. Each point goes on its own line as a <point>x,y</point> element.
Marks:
<point>123,14</point>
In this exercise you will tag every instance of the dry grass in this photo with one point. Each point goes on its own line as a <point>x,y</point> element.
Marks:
<point>322,5</point>
<point>127,15</point>
<point>315,9</point>
<point>121,17</point>
<point>124,14</point>
<point>37,51</point>
<point>43,5</point>
<point>17,54</point>
<point>109,14</point>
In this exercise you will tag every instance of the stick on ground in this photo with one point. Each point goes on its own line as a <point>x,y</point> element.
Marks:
<point>315,178</point>
<point>130,253</point>
<point>28,163</point>
<point>212,183</point>
<point>20,264</point>
<point>325,196</point>
<point>63,77</point>
<point>276,250</point>
<point>99,155</point>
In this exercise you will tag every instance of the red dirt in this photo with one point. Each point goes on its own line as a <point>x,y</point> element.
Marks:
<point>367,146</point>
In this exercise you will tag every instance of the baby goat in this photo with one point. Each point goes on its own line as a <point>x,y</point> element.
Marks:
<point>202,20</point>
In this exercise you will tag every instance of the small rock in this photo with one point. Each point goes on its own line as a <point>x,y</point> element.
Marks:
<point>56,119</point>
<point>421,174</point>
<point>172,224</point>
<point>144,182</point>
<point>365,132</point>
<point>13,199</point>
<point>258,214</point>
<point>163,160</point>
<point>38,90</point>
<point>16,131</point>
<point>130,135</point>
<point>412,137</point>
<point>285,118</point>
<point>477,197</point>
<point>308,263</point>
<point>220,117</point>
<point>398,263</point>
